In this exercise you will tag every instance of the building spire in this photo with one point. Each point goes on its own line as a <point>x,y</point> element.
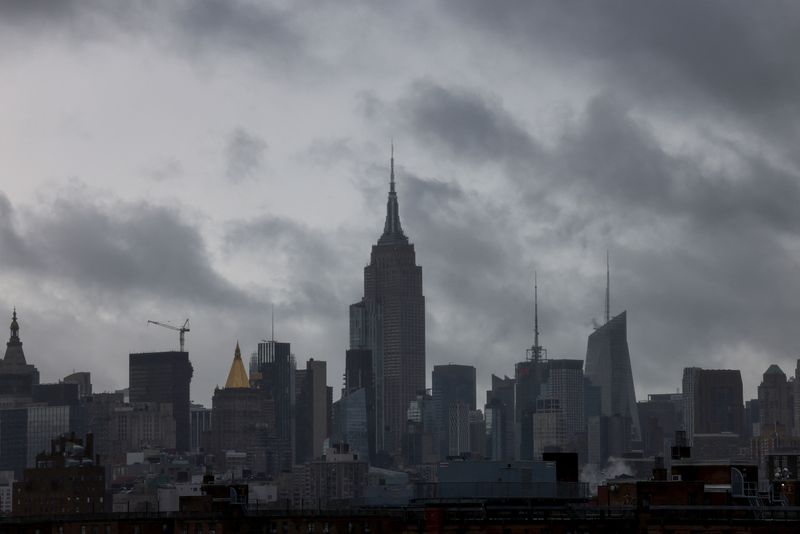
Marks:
<point>14,325</point>
<point>608,289</point>
<point>392,230</point>
<point>273,322</point>
<point>536,350</point>
<point>391,164</point>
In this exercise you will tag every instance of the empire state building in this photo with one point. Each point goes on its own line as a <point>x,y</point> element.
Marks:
<point>390,322</point>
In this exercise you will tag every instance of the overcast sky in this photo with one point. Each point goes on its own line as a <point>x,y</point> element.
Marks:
<point>207,158</point>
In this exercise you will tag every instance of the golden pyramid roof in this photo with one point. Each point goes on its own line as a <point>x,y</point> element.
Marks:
<point>237,377</point>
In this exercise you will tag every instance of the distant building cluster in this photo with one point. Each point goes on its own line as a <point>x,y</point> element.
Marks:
<point>274,437</point>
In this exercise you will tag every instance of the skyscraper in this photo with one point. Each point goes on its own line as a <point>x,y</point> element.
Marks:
<point>712,401</point>
<point>17,376</point>
<point>390,321</point>
<point>608,365</point>
<point>276,366</point>
<point>238,414</point>
<point>776,403</point>
<point>164,377</point>
<point>453,389</point>
<point>311,411</point>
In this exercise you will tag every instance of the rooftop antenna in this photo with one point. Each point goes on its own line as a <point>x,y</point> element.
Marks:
<point>536,350</point>
<point>608,289</point>
<point>273,322</point>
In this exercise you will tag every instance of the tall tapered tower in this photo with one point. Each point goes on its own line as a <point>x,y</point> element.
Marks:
<point>390,322</point>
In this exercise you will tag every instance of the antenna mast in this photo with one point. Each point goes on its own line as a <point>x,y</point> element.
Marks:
<point>608,289</point>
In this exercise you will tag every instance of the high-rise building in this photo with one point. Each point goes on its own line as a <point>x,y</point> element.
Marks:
<point>499,415</point>
<point>200,425</point>
<point>359,376</point>
<point>390,321</point>
<point>277,368</point>
<point>776,403</point>
<point>608,365</point>
<point>312,411</point>
<point>84,381</point>
<point>17,377</point>
<point>238,415</point>
<point>712,401</point>
<point>164,377</point>
<point>660,416</point>
<point>453,385</point>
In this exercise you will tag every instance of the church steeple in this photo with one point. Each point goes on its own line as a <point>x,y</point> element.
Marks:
<point>392,230</point>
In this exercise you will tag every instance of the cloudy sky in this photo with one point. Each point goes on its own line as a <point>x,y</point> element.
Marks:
<point>208,158</point>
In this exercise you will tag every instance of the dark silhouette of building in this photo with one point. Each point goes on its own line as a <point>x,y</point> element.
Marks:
<point>453,389</point>
<point>359,376</point>
<point>499,418</point>
<point>276,366</point>
<point>712,401</point>
<point>312,412</point>
<point>17,377</point>
<point>64,482</point>
<point>660,416</point>
<point>776,403</point>
<point>238,415</point>
<point>164,377</point>
<point>58,394</point>
<point>84,381</point>
<point>390,321</point>
<point>608,365</point>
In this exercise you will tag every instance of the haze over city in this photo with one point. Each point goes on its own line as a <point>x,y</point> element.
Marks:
<point>212,159</point>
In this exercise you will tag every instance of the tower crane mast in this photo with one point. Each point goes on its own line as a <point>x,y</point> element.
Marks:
<point>180,329</point>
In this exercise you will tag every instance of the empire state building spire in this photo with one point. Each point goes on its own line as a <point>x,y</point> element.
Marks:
<point>392,230</point>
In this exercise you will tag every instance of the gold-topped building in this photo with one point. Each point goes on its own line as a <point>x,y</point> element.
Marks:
<point>241,419</point>
<point>237,376</point>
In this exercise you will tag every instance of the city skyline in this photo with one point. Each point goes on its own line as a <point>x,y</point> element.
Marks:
<point>213,187</point>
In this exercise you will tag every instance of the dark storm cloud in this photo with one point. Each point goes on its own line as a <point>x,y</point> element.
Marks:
<point>117,249</point>
<point>465,124</point>
<point>319,282</point>
<point>708,59</point>
<point>724,249</point>
<point>244,155</point>
<point>187,26</point>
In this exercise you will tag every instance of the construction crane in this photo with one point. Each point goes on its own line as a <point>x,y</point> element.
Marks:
<point>181,330</point>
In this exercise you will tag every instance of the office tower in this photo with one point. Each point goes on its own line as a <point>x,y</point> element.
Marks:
<point>164,377</point>
<point>776,403</point>
<point>608,365</point>
<point>453,385</point>
<point>390,321</point>
<point>312,411</point>
<point>138,426</point>
<point>458,428</point>
<point>752,416</point>
<point>58,394</point>
<point>277,367</point>
<point>14,440</point>
<point>199,425</point>
<point>499,415</point>
<point>660,416</point>
<point>712,401</point>
<point>419,445</point>
<point>84,381</point>
<point>561,399</point>
<point>238,414</point>
<point>359,375</point>
<point>477,434</point>
<point>17,377</point>
<point>350,422</point>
